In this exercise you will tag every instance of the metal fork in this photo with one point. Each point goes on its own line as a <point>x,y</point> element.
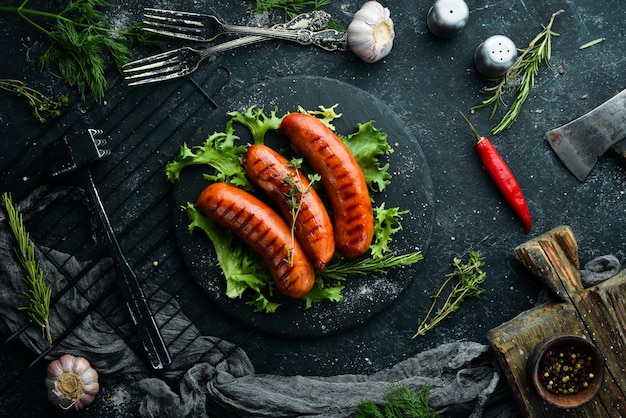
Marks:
<point>200,27</point>
<point>178,62</point>
<point>184,61</point>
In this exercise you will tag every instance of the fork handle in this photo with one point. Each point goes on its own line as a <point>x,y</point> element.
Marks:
<point>328,39</point>
<point>140,312</point>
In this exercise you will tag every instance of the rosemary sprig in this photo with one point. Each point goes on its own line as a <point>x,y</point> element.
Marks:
<point>340,270</point>
<point>521,75</point>
<point>42,105</point>
<point>469,276</point>
<point>81,42</point>
<point>39,292</point>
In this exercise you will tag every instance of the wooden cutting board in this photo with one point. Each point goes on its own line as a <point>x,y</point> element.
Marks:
<point>598,313</point>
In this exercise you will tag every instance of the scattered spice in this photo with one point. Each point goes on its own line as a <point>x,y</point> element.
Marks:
<point>566,370</point>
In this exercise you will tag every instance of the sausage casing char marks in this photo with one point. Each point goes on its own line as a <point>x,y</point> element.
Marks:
<point>265,231</point>
<point>342,178</point>
<point>270,171</point>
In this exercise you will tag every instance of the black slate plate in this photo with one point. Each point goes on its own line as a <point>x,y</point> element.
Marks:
<point>411,188</point>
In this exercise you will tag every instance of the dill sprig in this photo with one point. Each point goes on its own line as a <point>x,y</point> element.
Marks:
<point>82,41</point>
<point>399,402</point>
<point>39,292</point>
<point>520,75</point>
<point>469,276</point>
<point>40,103</point>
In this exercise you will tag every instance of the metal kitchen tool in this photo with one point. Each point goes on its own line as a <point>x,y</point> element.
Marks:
<point>184,61</point>
<point>178,62</point>
<point>580,142</point>
<point>200,27</point>
<point>73,155</point>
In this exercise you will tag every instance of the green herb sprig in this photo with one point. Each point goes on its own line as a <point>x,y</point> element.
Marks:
<point>294,197</point>
<point>469,276</point>
<point>41,104</point>
<point>400,402</point>
<point>81,41</point>
<point>291,8</point>
<point>39,292</point>
<point>521,75</point>
<point>339,270</point>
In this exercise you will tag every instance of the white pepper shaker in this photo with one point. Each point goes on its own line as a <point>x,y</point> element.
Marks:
<point>446,18</point>
<point>495,55</point>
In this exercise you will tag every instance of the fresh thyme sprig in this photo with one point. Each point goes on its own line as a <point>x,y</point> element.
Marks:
<point>42,105</point>
<point>521,75</point>
<point>295,199</point>
<point>81,41</point>
<point>39,292</point>
<point>469,277</point>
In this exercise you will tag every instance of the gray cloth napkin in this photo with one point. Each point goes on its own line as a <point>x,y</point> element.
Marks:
<point>210,377</point>
<point>600,269</point>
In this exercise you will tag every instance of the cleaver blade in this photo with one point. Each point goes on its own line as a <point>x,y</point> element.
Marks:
<point>579,143</point>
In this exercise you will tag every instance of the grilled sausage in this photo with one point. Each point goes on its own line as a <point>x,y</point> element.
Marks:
<point>265,231</point>
<point>342,178</point>
<point>286,186</point>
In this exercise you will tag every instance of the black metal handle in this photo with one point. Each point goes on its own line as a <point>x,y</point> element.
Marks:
<point>141,314</point>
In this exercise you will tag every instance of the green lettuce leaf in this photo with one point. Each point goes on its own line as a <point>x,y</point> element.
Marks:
<point>257,122</point>
<point>367,145</point>
<point>386,223</point>
<point>219,152</point>
<point>242,270</point>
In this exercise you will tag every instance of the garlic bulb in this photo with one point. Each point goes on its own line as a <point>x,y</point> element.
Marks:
<point>71,382</point>
<point>370,34</point>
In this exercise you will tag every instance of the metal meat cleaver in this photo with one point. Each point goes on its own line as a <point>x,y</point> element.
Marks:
<point>580,142</point>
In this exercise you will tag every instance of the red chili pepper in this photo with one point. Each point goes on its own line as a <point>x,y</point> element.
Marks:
<point>501,174</point>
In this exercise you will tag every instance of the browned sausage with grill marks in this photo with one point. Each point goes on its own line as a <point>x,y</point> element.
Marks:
<point>287,187</point>
<point>265,231</point>
<point>342,178</point>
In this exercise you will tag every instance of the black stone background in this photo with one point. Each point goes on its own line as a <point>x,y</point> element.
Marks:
<point>424,80</point>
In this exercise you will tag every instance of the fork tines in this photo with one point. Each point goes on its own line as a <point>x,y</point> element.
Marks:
<point>174,23</point>
<point>164,66</point>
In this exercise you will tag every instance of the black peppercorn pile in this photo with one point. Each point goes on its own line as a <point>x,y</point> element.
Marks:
<point>566,370</point>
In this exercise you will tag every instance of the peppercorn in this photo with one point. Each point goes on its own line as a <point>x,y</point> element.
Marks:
<point>566,370</point>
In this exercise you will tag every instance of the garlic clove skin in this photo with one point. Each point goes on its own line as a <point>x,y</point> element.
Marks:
<point>71,382</point>
<point>371,32</point>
